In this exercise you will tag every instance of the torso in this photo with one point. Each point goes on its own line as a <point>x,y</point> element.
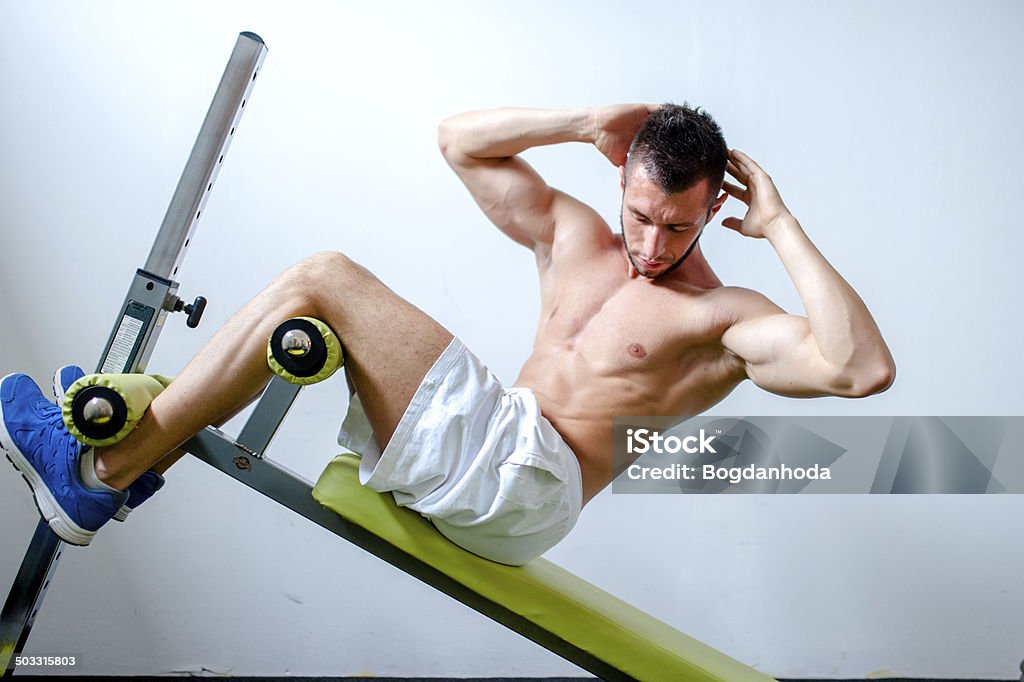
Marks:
<point>611,344</point>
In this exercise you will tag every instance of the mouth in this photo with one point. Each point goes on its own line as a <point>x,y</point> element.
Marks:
<point>649,264</point>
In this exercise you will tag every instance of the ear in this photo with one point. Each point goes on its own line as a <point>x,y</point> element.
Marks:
<point>622,178</point>
<point>717,205</point>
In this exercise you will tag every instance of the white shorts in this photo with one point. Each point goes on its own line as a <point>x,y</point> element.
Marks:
<point>478,460</point>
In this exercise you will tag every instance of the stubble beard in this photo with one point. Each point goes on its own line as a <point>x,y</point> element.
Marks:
<point>637,267</point>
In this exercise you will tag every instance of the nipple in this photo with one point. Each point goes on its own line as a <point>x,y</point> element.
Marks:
<point>637,351</point>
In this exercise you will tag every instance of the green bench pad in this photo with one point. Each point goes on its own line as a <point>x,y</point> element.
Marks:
<point>551,598</point>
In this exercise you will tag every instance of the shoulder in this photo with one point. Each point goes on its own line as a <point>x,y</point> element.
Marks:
<point>579,231</point>
<point>735,312</point>
<point>736,305</point>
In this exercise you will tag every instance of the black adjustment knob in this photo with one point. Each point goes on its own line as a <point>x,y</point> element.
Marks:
<point>195,311</point>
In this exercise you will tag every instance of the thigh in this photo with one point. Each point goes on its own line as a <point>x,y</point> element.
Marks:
<point>389,344</point>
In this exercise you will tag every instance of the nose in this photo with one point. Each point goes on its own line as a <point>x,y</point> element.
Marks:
<point>654,242</point>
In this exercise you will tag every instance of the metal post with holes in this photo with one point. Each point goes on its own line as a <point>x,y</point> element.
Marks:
<point>151,296</point>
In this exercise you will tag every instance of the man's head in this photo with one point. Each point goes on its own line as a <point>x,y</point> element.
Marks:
<point>671,184</point>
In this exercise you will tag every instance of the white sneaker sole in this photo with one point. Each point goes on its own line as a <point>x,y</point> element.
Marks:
<point>58,389</point>
<point>56,518</point>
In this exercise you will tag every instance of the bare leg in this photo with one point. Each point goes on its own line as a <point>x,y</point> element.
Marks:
<point>389,346</point>
<point>170,460</point>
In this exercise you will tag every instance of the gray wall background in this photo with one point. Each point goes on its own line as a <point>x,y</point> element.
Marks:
<point>892,129</point>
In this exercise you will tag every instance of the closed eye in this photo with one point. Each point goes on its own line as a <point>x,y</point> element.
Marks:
<point>675,228</point>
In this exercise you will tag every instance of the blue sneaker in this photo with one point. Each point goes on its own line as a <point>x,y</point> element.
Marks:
<point>34,438</point>
<point>62,380</point>
<point>140,491</point>
<point>147,484</point>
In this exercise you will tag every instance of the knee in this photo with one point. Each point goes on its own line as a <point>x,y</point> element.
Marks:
<point>327,263</point>
<point>313,277</point>
<point>321,268</point>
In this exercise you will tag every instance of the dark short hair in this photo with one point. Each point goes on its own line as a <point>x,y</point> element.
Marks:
<point>678,146</point>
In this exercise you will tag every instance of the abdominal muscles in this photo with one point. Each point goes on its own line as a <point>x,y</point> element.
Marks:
<point>607,370</point>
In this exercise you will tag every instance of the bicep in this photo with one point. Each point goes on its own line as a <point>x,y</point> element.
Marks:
<point>780,354</point>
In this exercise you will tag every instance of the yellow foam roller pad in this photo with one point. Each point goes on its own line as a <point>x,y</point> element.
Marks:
<point>102,409</point>
<point>304,363</point>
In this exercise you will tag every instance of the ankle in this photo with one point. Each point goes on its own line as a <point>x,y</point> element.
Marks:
<point>95,472</point>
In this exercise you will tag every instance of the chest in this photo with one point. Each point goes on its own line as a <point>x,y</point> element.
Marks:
<point>620,323</point>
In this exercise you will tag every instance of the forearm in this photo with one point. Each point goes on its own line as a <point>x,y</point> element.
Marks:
<point>502,133</point>
<point>843,328</point>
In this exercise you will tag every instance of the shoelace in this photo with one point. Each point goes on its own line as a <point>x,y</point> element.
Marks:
<point>60,439</point>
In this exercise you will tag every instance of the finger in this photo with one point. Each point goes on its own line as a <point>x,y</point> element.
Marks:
<point>745,162</point>
<point>732,223</point>
<point>736,172</point>
<point>735,190</point>
<point>739,161</point>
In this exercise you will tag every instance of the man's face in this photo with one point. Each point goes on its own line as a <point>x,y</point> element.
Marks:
<point>658,230</point>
